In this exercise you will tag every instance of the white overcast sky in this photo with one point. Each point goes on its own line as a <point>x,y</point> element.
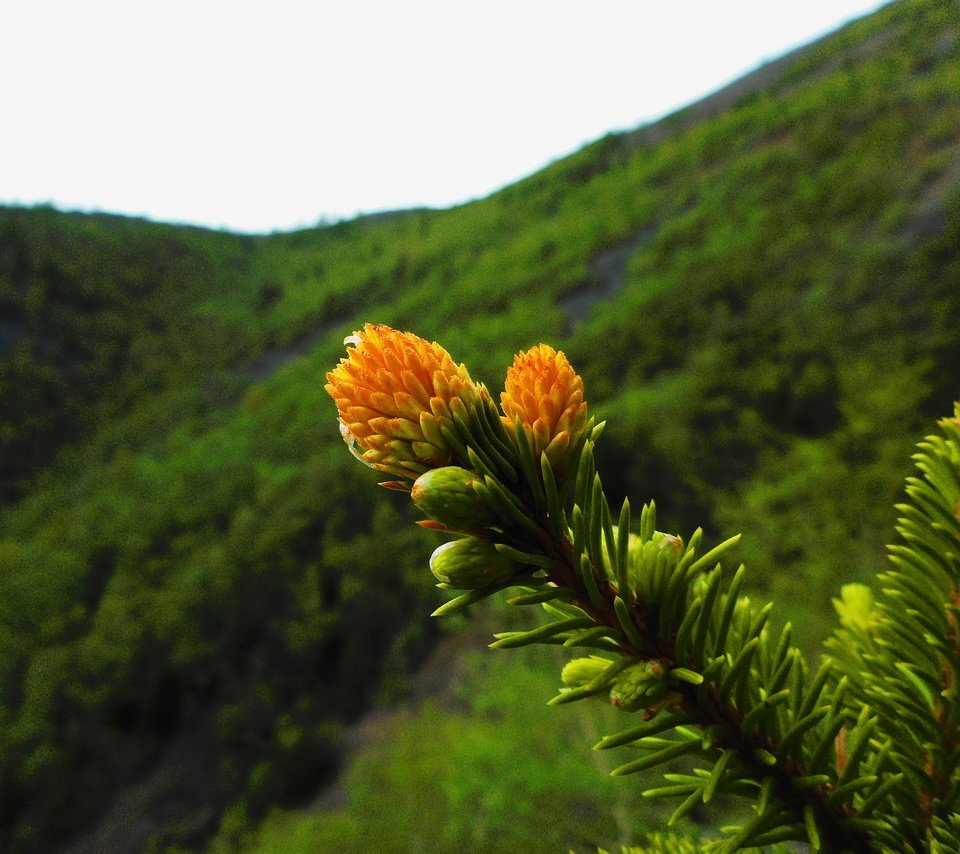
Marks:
<point>261,116</point>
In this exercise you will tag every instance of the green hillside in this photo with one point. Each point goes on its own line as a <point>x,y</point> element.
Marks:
<point>760,295</point>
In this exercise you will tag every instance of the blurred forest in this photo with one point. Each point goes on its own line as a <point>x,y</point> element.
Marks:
<point>200,595</point>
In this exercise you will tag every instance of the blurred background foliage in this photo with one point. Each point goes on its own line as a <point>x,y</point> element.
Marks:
<point>200,591</point>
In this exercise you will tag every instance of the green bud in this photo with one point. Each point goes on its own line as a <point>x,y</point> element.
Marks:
<point>471,563</point>
<point>639,686</point>
<point>669,544</point>
<point>856,608</point>
<point>447,495</point>
<point>645,553</point>
<point>582,671</point>
<point>652,563</point>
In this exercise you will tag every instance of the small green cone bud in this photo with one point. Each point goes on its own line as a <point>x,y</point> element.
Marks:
<point>669,543</point>
<point>856,608</point>
<point>654,559</point>
<point>639,686</point>
<point>447,495</point>
<point>582,671</point>
<point>471,563</point>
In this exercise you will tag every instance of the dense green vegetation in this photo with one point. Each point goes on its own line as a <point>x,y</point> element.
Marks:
<point>526,769</point>
<point>183,538</point>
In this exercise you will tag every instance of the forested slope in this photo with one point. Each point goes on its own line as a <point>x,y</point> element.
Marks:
<point>763,301</point>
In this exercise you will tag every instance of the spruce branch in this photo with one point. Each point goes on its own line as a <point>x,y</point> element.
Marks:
<point>904,645</point>
<point>859,755</point>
